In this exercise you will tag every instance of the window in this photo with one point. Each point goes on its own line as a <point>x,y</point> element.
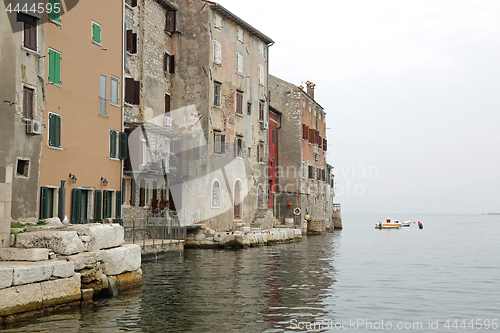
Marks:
<point>310,108</point>
<point>305,132</point>
<point>260,196</point>
<point>170,25</point>
<point>239,146</point>
<point>261,48</point>
<point>28,102</point>
<point>319,114</point>
<point>219,143</point>
<point>54,67</point>
<point>315,111</point>
<point>167,104</point>
<point>303,169</point>
<point>131,3</point>
<point>311,172</point>
<point>107,204</point>
<point>239,34</point>
<point>30,35</point>
<point>261,152</point>
<point>273,140</point>
<point>249,108</point>
<point>239,102</point>
<point>169,63</point>
<point>102,98</point>
<point>96,33</point>
<point>239,63</point>
<point>261,75</point>
<point>303,102</point>
<point>131,42</point>
<point>54,130</point>
<point>132,91</point>
<point>23,167</point>
<point>216,194</point>
<point>217,94</point>
<point>261,111</point>
<point>55,14</point>
<point>325,145</point>
<point>113,144</point>
<point>217,21</point>
<point>115,90</point>
<point>217,52</point>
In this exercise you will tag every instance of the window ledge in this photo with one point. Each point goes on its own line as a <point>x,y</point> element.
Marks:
<point>103,115</point>
<point>55,22</point>
<point>217,107</point>
<point>113,104</point>
<point>114,159</point>
<point>55,148</point>
<point>24,48</point>
<point>218,63</point>
<point>240,114</point>
<point>55,84</point>
<point>129,7</point>
<point>96,43</point>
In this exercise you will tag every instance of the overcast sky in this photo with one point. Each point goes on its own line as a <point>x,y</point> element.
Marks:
<point>412,93</point>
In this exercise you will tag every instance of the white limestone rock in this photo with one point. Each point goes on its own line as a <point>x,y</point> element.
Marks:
<point>61,291</point>
<point>20,299</point>
<point>84,260</point>
<point>6,277</point>
<point>126,258</point>
<point>20,254</point>
<point>30,274</point>
<point>61,242</point>
<point>64,270</point>
<point>100,236</point>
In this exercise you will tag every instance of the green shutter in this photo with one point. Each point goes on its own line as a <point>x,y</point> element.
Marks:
<point>96,33</point>
<point>51,130</point>
<point>118,204</point>
<point>106,205</point>
<point>123,145</point>
<point>57,68</point>
<point>52,65</point>
<point>44,203</point>
<point>53,15</point>
<point>76,206</point>
<point>112,143</point>
<point>98,205</point>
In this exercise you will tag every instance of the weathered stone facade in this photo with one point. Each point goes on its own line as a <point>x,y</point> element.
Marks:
<point>304,178</point>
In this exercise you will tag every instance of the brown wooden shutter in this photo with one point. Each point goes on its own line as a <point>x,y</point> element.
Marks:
<point>130,40</point>
<point>142,194</point>
<point>325,145</point>
<point>170,21</point>
<point>137,92</point>
<point>167,104</point>
<point>239,102</point>
<point>134,43</point>
<point>129,90</point>
<point>172,64</point>
<point>166,61</point>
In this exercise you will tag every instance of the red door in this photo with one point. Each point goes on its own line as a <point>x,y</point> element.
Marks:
<point>273,157</point>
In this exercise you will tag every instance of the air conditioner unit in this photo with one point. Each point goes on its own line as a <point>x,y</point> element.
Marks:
<point>264,125</point>
<point>33,127</point>
<point>167,122</point>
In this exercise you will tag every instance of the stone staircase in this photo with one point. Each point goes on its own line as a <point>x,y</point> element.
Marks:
<point>259,217</point>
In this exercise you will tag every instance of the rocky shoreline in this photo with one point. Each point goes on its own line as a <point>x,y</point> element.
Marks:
<point>56,266</point>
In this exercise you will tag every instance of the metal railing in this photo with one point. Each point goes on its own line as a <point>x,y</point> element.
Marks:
<point>157,229</point>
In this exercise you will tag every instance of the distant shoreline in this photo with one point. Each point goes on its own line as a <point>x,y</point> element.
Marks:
<point>491,213</point>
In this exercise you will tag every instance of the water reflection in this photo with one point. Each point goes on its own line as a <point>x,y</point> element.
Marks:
<point>245,290</point>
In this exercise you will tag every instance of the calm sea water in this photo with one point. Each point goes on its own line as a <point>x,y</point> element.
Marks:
<point>364,279</point>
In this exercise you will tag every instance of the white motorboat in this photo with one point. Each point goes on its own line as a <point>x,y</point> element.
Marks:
<point>405,223</point>
<point>388,224</point>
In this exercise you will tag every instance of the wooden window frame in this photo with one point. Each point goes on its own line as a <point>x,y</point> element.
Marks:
<point>217,94</point>
<point>239,102</point>
<point>55,130</point>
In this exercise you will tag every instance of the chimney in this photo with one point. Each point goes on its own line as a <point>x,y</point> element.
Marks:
<point>310,88</point>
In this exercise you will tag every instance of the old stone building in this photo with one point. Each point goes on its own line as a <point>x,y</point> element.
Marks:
<point>151,34</point>
<point>223,71</point>
<point>22,98</point>
<point>303,177</point>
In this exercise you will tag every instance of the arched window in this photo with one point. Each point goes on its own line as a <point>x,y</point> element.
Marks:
<point>260,196</point>
<point>216,194</point>
<point>237,200</point>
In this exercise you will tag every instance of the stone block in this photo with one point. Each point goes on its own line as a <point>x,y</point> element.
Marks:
<point>100,236</point>
<point>30,274</point>
<point>20,254</point>
<point>64,270</point>
<point>61,291</point>
<point>20,299</point>
<point>128,280</point>
<point>84,260</point>
<point>6,277</point>
<point>87,294</point>
<point>126,258</point>
<point>62,242</point>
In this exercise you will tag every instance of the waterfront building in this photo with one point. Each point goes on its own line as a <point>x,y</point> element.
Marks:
<point>304,179</point>
<point>83,142</point>
<point>22,105</point>
<point>222,70</point>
